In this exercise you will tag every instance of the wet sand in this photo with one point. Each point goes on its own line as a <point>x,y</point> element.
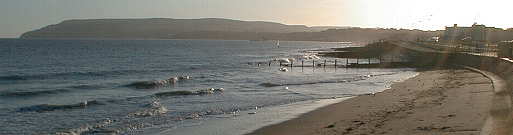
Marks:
<point>448,101</point>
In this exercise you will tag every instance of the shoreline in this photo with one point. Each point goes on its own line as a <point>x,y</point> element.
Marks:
<point>446,101</point>
<point>248,121</point>
<point>245,121</point>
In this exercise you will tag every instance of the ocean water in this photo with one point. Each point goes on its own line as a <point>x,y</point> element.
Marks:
<point>124,86</point>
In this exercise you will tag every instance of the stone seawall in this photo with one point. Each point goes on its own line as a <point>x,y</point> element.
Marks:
<point>500,67</point>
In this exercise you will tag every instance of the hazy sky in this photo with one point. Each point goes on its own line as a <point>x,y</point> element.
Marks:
<point>18,16</point>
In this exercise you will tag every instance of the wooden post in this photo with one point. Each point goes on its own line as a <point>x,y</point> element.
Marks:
<point>357,61</point>
<point>291,64</point>
<point>313,63</point>
<point>369,61</point>
<point>270,63</point>
<point>335,63</point>
<point>302,63</point>
<point>324,64</point>
<point>280,63</point>
<point>347,62</point>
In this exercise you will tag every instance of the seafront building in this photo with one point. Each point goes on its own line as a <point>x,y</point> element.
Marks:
<point>477,35</point>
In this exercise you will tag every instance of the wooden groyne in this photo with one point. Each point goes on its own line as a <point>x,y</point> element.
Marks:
<point>341,63</point>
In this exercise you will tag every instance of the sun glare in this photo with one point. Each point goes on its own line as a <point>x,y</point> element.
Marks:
<point>430,15</point>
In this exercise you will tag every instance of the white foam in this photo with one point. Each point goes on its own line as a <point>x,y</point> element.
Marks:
<point>248,121</point>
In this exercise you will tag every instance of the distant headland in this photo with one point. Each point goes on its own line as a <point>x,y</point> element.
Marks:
<point>212,28</point>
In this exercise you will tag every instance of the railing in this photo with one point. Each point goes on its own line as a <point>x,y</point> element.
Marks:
<point>490,51</point>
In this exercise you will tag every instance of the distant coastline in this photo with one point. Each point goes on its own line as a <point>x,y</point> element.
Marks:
<point>167,39</point>
<point>213,29</point>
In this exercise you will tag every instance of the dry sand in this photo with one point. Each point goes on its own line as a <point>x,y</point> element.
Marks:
<point>449,101</point>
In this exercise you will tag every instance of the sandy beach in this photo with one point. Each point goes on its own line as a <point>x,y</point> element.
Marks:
<point>445,101</point>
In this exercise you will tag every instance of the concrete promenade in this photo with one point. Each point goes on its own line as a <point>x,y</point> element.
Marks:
<point>499,71</point>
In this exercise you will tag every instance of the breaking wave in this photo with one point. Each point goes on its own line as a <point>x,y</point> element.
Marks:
<point>149,84</point>
<point>49,107</point>
<point>91,129</point>
<point>157,83</point>
<point>13,78</point>
<point>47,92</point>
<point>73,74</point>
<point>152,109</point>
<point>32,93</point>
<point>86,87</point>
<point>174,93</point>
<point>186,93</point>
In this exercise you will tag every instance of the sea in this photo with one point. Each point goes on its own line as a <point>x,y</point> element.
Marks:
<point>182,87</point>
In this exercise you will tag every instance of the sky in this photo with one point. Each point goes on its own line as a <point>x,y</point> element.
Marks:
<point>19,16</point>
